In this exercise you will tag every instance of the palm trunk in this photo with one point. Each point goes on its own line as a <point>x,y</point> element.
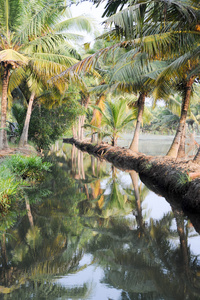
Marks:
<point>3,132</point>
<point>135,142</point>
<point>74,131</point>
<point>181,150</point>
<point>79,127</point>
<point>24,137</point>
<point>86,102</point>
<point>173,151</point>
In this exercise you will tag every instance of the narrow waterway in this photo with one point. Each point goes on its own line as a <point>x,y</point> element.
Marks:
<point>91,231</point>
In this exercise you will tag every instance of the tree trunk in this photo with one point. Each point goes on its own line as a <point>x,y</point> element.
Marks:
<point>173,151</point>
<point>135,142</point>
<point>79,127</point>
<point>181,150</point>
<point>85,103</point>
<point>24,137</point>
<point>3,132</point>
<point>74,131</point>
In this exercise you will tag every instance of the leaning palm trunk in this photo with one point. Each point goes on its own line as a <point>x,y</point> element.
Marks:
<point>3,132</point>
<point>135,142</point>
<point>24,137</point>
<point>173,151</point>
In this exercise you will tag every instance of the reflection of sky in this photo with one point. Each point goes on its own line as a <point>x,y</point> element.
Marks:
<point>155,207</point>
<point>92,276</point>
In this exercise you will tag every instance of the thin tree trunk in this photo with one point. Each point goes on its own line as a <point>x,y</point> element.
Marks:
<point>135,142</point>
<point>173,151</point>
<point>86,102</point>
<point>74,131</point>
<point>79,127</point>
<point>3,132</point>
<point>181,150</point>
<point>24,137</point>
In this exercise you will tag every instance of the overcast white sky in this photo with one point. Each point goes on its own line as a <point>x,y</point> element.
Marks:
<point>87,8</point>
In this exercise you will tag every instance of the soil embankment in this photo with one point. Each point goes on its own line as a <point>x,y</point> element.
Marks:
<point>176,179</point>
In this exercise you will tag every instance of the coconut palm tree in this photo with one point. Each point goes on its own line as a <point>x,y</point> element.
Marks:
<point>30,30</point>
<point>163,33</point>
<point>115,117</point>
<point>164,30</point>
<point>135,73</point>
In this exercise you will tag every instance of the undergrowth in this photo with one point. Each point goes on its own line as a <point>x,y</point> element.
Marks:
<point>18,171</point>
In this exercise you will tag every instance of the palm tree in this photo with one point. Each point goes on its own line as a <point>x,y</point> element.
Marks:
<point>164,30</point>
<point>115,117</point>
<point>180,72</point>
<point>163,34</point>
<point>30,30</point>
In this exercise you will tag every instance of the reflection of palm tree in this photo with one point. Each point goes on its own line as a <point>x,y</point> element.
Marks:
<point>3,251</point>
<point>139,217</point>
<point>179,216</point>
<point>115,202</point>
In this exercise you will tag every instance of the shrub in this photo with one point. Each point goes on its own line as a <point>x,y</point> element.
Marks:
<point>8,187</point>
<point>47,124</point>
<point>31,168</point>
<point>13,173</point>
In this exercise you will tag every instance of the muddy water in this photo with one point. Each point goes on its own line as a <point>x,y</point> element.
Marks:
<point>95,232</point>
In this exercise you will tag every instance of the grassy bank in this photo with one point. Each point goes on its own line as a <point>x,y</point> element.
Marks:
<point>17,171</point>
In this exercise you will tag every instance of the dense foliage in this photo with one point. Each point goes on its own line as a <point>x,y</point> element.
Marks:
<point>47,124</point>
<point>15,172</point>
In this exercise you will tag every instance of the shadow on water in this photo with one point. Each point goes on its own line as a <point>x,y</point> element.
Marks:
<point>90,231</point>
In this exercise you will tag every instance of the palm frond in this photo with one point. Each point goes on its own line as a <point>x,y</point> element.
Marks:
<point>85,23</point>
<point>16,78</point>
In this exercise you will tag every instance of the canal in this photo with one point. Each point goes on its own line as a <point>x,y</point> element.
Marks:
<point>91,231</point>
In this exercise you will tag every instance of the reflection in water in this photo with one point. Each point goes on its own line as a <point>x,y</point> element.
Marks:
<point>87,233</point>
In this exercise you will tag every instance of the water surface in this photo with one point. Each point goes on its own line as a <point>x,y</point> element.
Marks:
<point>90,231</point>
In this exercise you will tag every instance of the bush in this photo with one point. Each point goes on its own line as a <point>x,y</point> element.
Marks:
<point>31,168</point>
<point>8,187</point>
<point>13,171</point>
<point>47,125</point>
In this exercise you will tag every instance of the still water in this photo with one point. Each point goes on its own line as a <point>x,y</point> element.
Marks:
<point>91,231</point>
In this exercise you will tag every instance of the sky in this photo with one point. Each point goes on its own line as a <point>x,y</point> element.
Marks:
<point>88,9</point>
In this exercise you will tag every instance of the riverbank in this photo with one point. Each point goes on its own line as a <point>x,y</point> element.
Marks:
<point>26,151</point>
<point>178,178</point>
